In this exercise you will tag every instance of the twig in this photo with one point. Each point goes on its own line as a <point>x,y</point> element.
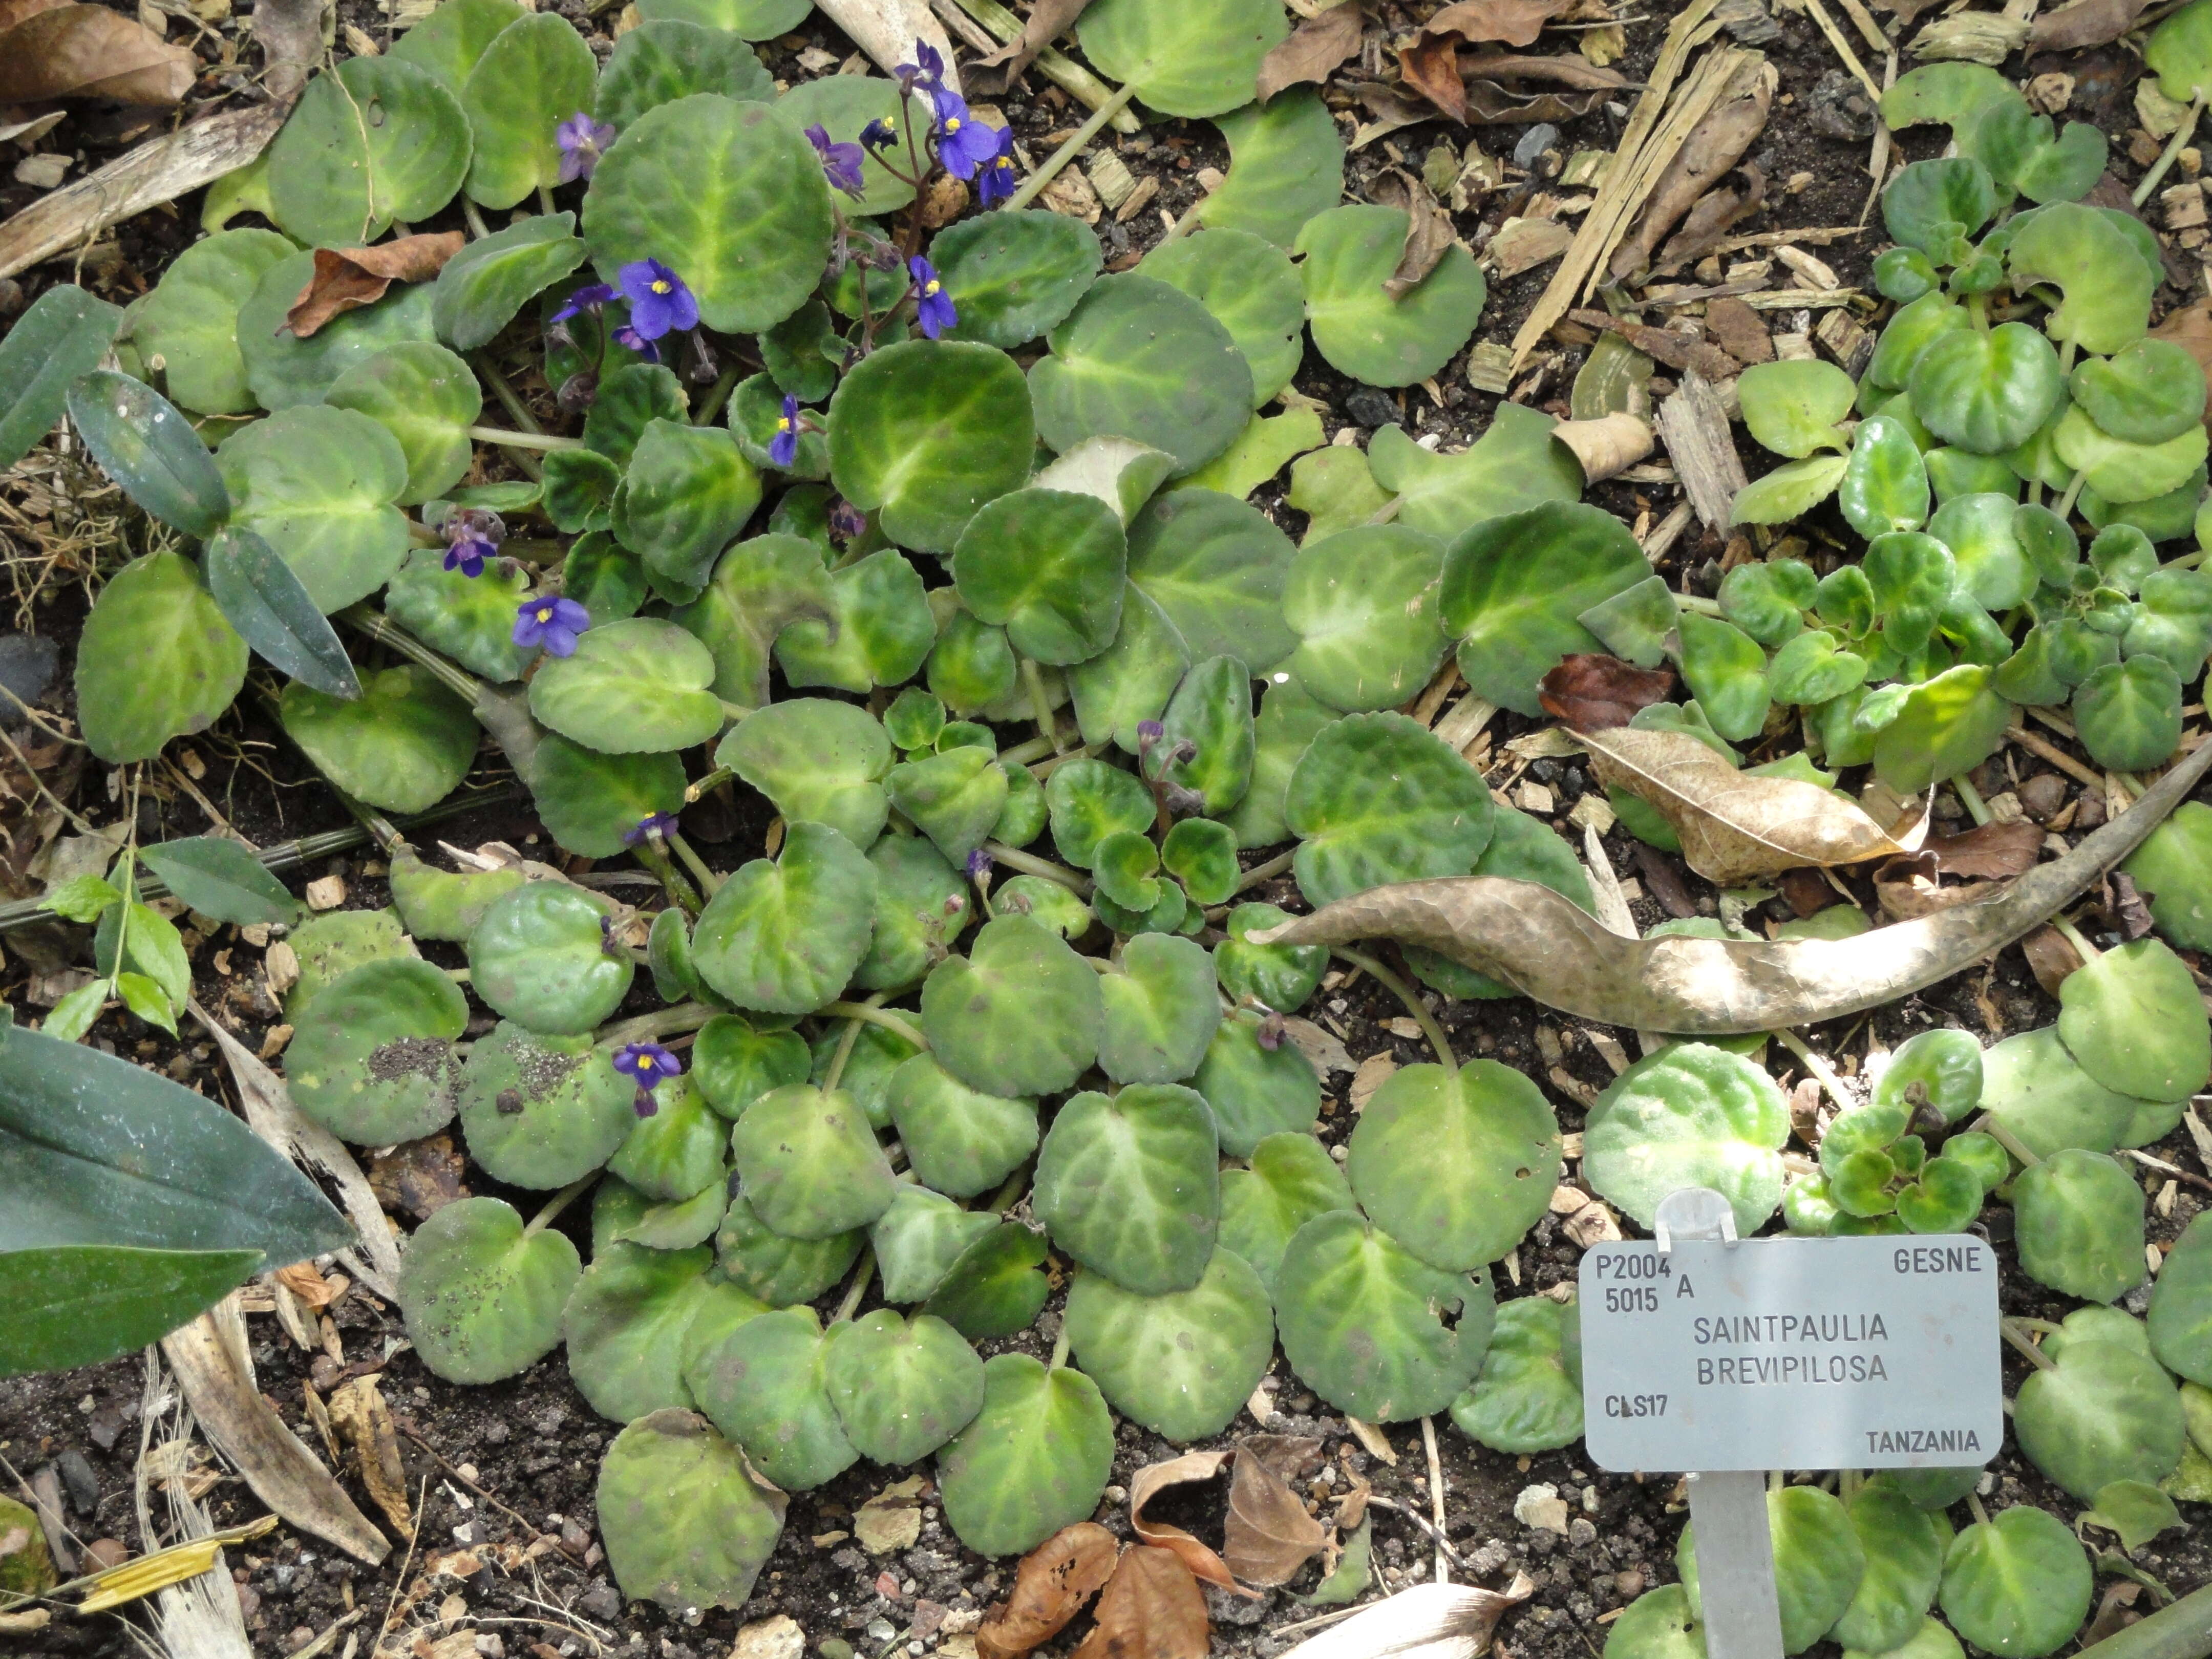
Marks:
<point>2179,141</point>
<point>1054,65</point>
<point>450,1469</point>
<point>1266,872</point>
<point>1435,1495</point>
<point>2045,750</point>
<point>421,1494</point>
<point>1843,50</point>
<point>1034,185</point>
<point>1435,1532</point>
<point>1831,1085</point>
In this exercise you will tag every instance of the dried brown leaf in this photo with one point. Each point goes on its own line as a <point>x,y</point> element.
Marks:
<point>215,1369</point>
<point>347,278</point>
<point>1423,1621</point>
<point>1907,887</point>
<point>1733,826</point>
<point>1552,950</point>
<point>1508,69</point>
<point>290,36</point>
<point>1152,1608</point>
<point>1269,1535</point>
<point>2125,906</point>
<point>1489,104</point>
<point>2084,23</point>
<point>1682,351</point>
<point>1992,851</point>
<point>1430,67</point>
<point>1510,23</point>
<point>89,51</point>
<point>358,1412</point>
<point>1717,212</point>
<point>2051,956</point>
<point>1608,445</point>
<point>1314,49</point>
<point>418,1178</point>
<point>1714,146</point>
<point>13,12</point>
<point>2189,327</point>
<point>997,71</point>
<point>1050,1588</point>
<point>1595,693</point>
<point>1155,1478</point>
<point>1429,233</point>
<point>1738,329</point>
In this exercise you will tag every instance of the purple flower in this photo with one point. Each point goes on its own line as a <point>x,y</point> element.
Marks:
<point>590,297</point>
<point>552,622</point>
<point>783,448</point>
<point>841,163</point>
<point>583,141</point>
<point>933,306</point>
<point>994,178</point>
<point>652,824</point>
<point>846,521</point>
<point>630,340</point>
<point>880,133</point>
<point>1150,732</point>
<point>927,70</point>
<point>979,865</point>
<point>659,303</point>
<point>963,144</point>
<point>647,1063</point>
<point>472,535</point>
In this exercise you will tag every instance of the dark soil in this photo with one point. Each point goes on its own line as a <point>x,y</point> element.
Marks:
<point>507,1559</point>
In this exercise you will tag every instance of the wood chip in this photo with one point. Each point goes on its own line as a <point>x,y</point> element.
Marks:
<point>1676,349</point>
<point>1490,367</point>
<point>1737,329</point>
<point>1371,1440</point>
<point>1851,346</point>
<point>1693,425</point>
<point>1374,1071</point>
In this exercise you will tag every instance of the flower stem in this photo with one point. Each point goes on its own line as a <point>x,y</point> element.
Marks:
<point>874,1016</point>
<point>1059,1348</point>
<point>713,781</point>
<point>1267,872</point>
<point>856,1288</point>
<point>386,632</point>
<point>1976,808</point>
<point>474,215</point>
<point>845,1044</point>
<point>1831,1085</point>
<point>492,434</point>
<point>517,411</point>
<point>707,880</point>
<point>2018,1340</point>
<point>2067,931</point>
<point>660,1022</point>
<point>1010,1194</point>
<point>560,1201</point>
<point>2175,145</point>
<point>1031,865</point>
<point>1405,993</point>
<point>1040,700</point>
<point>2005,1138</point>
<point>717,395</point>
<point>1033,186</point>
<point>2065,504</point>
<point>680,892</point>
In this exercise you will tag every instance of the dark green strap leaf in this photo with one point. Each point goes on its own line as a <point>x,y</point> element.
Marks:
<point>265,602</point>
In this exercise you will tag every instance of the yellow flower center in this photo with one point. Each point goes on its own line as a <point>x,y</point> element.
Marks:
<point>782,424</point>
<point>952,123</point>
<point>659,286</point>
<point>545,613</point>
<point>929,290</point>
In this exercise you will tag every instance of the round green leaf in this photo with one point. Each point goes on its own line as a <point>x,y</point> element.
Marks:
<point>542,1111</point>
<point>402,746</point>
<point>1017,275</point>
<point>319,484</point>
<point>1903,1567</point>
<point>1459,1164</point>
<point>1690,1115</point>
<point>449,40</point>
<point>1792,408</point>
<point>427,398</point>
<point>2019,1585</point>
<point>625,1324</point>
<point>1139,359</point>
<point>1290,718</point>
<point>816,760</point>
<point>686,487</point>
<point>1182,1364</point>
<point>373,1058</point>
<point>282,369</point>
<point>1789,492</point>
<point>1363,1321</point>
<point>2107,284</point>
<point>686,1523</point>
<point>484,286</point>
<point>762,1385</point>
<point>1127,1185</point>
<point>2129,713</point>
<point>1885,485</point>
<point>1992,568</point>
<point>156,660</point>
<point>1529,1397</point>
<point>843,104</point>
<point>663,60</point>
<point>750,19</point>
<point>958,1139</point>
<point>2148,392</point>
<point>1212,711</point>
<point>879,628</point>
<point>1514,586</point>
<point>1365,605</point>
<point>2079,1225</point>
<point>927,431</point>
<point>535,75</point>
<point>810,1162</point>
<point>1657,1625</point>
<point>2124,472</point>
<point>591,801</point>
<point>2173,869</point>
<point>729,195</point>
<point>1948,725</point>
<point>631,686</point>
<point>1034,1460</point>
<point>2034,1087</point>
<point>482,1293</point>
<point>995,1286</point>
<point>1217,569</point>
<point>780,1270</point>
<point>1376,798</point>
<point>1363,329</point>
<point>2180,1317</point>
<point>1160,1010</point>
<point>675,1153</point>
<point>901,1389</point>
<point>1253,290</point>
<point>1190,60</point>
<point>1291,1179</point>
<point>918,1239</point>
<point>2105,1412</point>
<point>1047,566</point>
<point>2132,1017</point>
<point>1019,1015</point>
<point>785,936</point>
<point>1254,1092</point>
<point>541,957</point>
<point>955,799</point>
<point>1286,164</point>
<point>915,887</point>
<point>379,140</point>
<point>1277,976</point>
<point>190,320</point>
<point>470,619</point>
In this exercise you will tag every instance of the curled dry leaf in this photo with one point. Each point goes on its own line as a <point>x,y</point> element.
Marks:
<point>347,278</point>
<point>1714,146</point>
<point>1424,1621</point>
<point>1550,948</point>
<point>2051,956</point>
<point>359,1416</point>
<point>1734,826</point>
<point>1991,851</point>
<point>1269,1535</point>
<point>1152,1608</point>
<point>1050,1588</point>
<point>1430,64</point>
<point>1429,233</point>
<point>1155,1478</point>
<point>997,71</point>
<point>2125,906</point>
<point>1570,69</point>
<point>1490,105</point>
<point>1907,887</point>
<point>2084,23</point>
<point>1609,445</point>
<point>1683,351</point>
<point>1596,693</point>
<point>1717,212</point>
<point>89,51</point>
<point>2189,327</point>
<point>1314,49</point>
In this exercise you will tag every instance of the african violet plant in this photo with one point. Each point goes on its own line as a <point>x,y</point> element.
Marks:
<point>820,534</point>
